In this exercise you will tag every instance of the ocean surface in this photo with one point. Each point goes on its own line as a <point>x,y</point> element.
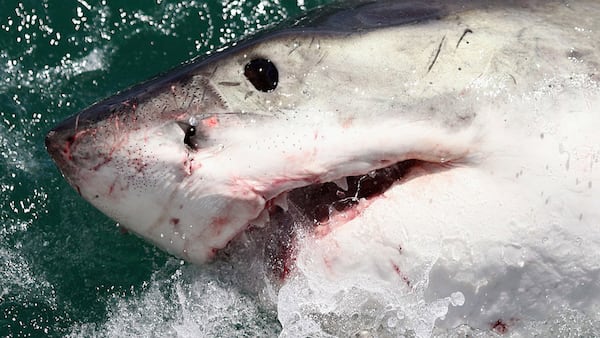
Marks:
<point>65,268</point>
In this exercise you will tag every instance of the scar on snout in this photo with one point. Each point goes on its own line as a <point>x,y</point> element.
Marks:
<point>468,30</point>
<point>229,84</point>
<point>437,54</point>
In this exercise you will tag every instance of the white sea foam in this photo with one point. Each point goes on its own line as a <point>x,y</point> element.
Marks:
<point>187,301</point>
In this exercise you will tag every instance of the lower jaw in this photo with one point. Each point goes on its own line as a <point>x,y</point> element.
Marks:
<point>318,209</point>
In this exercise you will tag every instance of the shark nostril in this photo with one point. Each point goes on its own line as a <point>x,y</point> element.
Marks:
<point>49,139</point>
<point>58,143</point>
<point>52,141</point>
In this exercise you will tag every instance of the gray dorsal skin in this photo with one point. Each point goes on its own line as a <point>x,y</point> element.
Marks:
<point>373,15</point>
<point>345,18</point>
<point>494,102</point>
<point>342,19</point>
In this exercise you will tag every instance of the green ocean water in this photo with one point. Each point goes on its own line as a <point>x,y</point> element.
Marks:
<point>66,269</point>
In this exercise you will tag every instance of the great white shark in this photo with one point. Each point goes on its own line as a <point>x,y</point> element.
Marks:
<point>447,146</point>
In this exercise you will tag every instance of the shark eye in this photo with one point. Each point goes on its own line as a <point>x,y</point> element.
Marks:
<point>263,74</point>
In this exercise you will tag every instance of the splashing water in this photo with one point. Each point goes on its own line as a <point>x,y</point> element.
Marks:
<point>65,269</point>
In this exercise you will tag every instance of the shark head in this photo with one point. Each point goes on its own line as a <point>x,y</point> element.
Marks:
<point>193,158</point>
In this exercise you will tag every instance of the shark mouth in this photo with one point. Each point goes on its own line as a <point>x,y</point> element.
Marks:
<point>333,203</point>
<point>317,209</point>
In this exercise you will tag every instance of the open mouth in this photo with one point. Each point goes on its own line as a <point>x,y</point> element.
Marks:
<point>317,209</point>
<point>333,202</point>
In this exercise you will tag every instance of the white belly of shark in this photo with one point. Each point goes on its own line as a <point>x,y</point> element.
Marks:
<point>491,114</point>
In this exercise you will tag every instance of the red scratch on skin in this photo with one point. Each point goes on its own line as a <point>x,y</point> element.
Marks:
<point>402,275</point>
<point>347,123</point>
<point>218,223</point>
<point>175,114</point>
<point>501,326</point>
<point>138,164</point>
<point>133,105</point>
<point>328,263</point>
<point>111,188</point>
<point>109,157</point>
<point>71,141</point>
<point>175,223</point>
<point>211,122</point>
<point>289,265</point>
<point>117,123</point>
<point>284,262</point>
<point>189,166</point>
<point>106,160</point>
<point>67,149</point>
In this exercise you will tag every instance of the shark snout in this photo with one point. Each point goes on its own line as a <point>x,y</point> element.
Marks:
<point>58,142</point>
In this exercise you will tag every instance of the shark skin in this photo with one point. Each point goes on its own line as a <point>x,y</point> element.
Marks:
<point>494,109</point>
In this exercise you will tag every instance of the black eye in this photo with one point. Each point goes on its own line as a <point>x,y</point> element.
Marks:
<point>263,74</point>
<point>189,135</point>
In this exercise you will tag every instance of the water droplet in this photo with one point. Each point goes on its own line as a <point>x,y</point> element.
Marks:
<point>392,321</point>
<point>457,299</point>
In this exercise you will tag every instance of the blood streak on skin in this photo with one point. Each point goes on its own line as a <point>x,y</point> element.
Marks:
<point>288,262</point>
<point>402,275</point>
<point>328,263</point>
<point>175,223</point>
<point>133,104</point>
<point>109,157</point>
<point>71,141</point>
<point>189,165</point>
<point>112,187</point>
<point>218,223</point>
<point>138,164</point>
<point>499,326</point>
<point>67,149</point>
<point>210,122</point>
<point>347,123</point>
